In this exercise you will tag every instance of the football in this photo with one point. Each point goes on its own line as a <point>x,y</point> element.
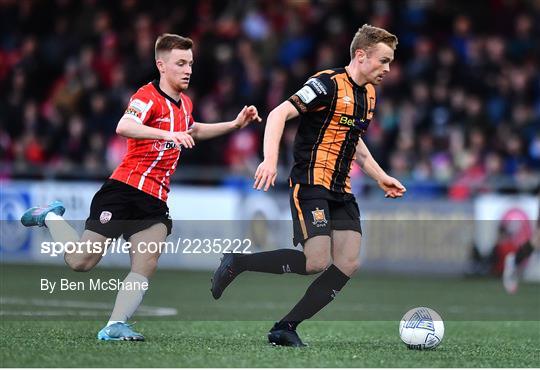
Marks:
<point>421,328</point>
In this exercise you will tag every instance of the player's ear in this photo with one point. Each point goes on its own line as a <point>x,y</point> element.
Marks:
<point>360,55</point>
<point>160,64</point>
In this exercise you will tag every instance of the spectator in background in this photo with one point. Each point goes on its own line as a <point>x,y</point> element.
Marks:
<point>460,80</point>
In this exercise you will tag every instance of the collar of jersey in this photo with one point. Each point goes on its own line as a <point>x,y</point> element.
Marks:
<point>352,81</point>
<point>155,83</point>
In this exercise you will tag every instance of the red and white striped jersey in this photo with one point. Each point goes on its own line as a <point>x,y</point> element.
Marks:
<point>148,163</point>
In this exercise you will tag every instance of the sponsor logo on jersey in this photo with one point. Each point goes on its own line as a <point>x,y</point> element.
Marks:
<point>352,121</point>
<point>105,217</point>
<point>164,145</point>
<point>319,218</point>
<point>306,94</point>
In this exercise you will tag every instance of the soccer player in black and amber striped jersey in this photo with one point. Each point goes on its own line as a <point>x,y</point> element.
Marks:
<point>336,107</point>
<point>335,112</point>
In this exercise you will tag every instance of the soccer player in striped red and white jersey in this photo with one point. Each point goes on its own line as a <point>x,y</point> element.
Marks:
<point>159,125</point>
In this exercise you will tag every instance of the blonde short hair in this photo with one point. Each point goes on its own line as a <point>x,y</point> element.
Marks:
<point>368,35</point>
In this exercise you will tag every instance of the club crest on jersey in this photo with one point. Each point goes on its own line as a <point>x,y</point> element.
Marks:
<point>319,218</point>
<point>105,217</point>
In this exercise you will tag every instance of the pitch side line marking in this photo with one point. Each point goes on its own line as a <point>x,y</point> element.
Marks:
<point>36,302</point>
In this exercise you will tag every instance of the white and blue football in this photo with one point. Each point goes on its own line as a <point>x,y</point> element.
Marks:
<point>421,328</point>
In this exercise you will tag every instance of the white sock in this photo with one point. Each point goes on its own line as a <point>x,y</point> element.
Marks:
<point>60,230</point>
<point>110,322</point>
<point>127,301</point>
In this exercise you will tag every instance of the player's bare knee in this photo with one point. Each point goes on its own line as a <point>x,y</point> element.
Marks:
<point>151,265</point>
<point>348,266</point>
<point>353,266</point>
<point>80,265</point>
<point>316,265</point>
<point>145,267</point>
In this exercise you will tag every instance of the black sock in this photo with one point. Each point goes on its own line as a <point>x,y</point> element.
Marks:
<point>523,253</point>
<point>279,261</point>
<point>321,292</point>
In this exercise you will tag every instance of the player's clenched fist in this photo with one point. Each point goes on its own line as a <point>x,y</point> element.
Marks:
<point>247,115</point>
<point>265,175</point>
<point>183,138</point>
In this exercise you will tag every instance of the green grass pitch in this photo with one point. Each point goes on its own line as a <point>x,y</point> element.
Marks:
<point>484,326</point>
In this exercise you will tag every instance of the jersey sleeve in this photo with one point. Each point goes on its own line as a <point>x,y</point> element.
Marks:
<point>140,108</point>
<point>317,92</point>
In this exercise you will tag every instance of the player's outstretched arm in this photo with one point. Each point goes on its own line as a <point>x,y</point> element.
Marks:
<point>267,171</point>
<point>204,131</point>
<point>391,186</point>
<point>129,128</point>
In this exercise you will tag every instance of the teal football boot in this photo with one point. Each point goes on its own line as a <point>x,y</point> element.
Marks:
<point>35,216</point>
<point>119,331</point>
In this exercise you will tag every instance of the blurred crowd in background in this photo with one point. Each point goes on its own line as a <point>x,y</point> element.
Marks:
<point>460,107</point>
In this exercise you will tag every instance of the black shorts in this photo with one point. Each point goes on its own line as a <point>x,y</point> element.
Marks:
<point>317,211</point>
<point>120,209</point>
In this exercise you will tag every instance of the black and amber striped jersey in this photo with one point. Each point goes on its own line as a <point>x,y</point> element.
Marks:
<point>334,112</point>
